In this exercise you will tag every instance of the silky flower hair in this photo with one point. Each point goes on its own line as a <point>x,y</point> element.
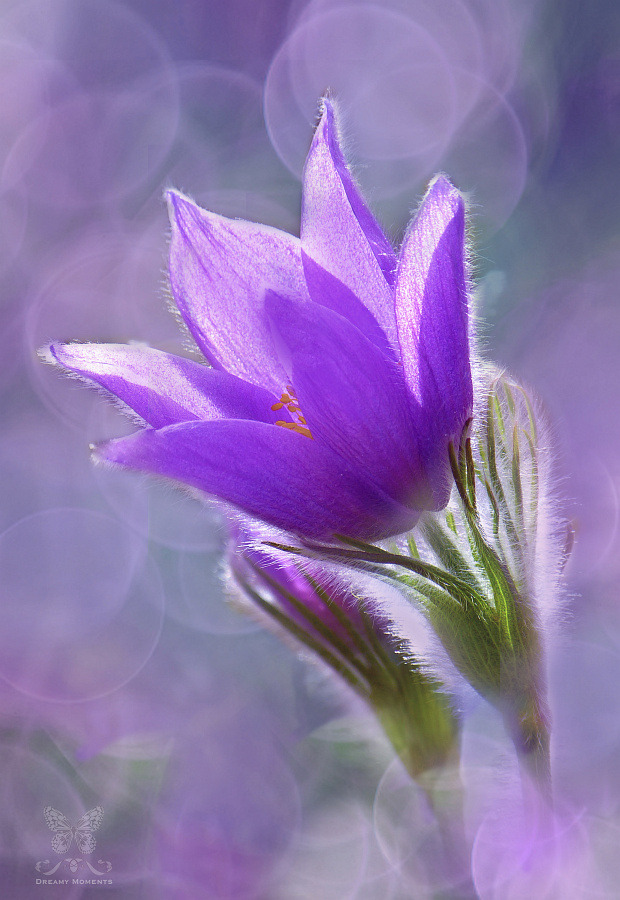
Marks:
<point>333,362</point>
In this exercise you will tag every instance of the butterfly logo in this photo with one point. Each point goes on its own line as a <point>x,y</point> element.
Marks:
<point>66,833</point>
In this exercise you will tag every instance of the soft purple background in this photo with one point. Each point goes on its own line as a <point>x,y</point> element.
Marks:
<point>125,680</point>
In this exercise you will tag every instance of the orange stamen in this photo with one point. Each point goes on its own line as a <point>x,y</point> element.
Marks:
<point>291,402</point>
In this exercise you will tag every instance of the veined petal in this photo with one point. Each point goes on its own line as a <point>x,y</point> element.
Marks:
<point>432,314</point>
<point>164,389</point>
<point>219,272</point>
<point>328,291</point>
<point>339,232</point>
<point>353,398</point>
<point>292,578</point>
<point>276,475</point>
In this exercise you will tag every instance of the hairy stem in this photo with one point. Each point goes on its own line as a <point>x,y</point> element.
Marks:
<point>529,731</point>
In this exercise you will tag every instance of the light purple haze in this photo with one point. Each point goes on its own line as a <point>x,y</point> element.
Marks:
<point>220,758</point>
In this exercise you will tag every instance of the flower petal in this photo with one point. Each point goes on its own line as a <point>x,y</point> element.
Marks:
<point>339,232</point>
<point>293,578</point>
<point>328,291</point>
<point>432,314</point>
<point>164,389</point>
<point>219,271</point>
<point>267,472</point>
<point>353,398</point>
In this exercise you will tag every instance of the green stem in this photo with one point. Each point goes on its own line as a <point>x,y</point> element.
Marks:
<point>424,737</point>
<point>529,730</point>
<point>416,716</point>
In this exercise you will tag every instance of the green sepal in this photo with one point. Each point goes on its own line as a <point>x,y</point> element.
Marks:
<point>418,720</point>
<point>472,567</point>
<point>289,625</point>
<point>444,544</point>
<point>414,712</point>
<point>471,637</point>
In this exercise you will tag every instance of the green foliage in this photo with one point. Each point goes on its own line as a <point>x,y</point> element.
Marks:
<point>415,714</point>
<point>486,541</point>
<point>471,569</point>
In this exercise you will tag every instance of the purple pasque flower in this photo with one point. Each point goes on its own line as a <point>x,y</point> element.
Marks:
<point>344,626</point>
<point>316,602</point>
<point>338,374</point>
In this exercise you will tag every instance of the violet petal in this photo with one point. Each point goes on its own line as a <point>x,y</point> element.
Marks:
<point>328,291</point>
<point>339,232</point>
<point>219,272</point>
<point>353,398</point>
<point>266,471</point>
<point>164,389</point>
<point>432,313</point>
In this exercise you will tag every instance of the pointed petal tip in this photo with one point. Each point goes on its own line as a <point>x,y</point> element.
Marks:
<point>441,181</point>
<point>49,354</point>
<point>173,195</point>
<point>68,356</point>
<point>108,453</point>
<point>184,213</point>
<point>442,190</point>
<point>100,457</point>
<point>181,207</point>
<point>60,354</point>
<point>327,130</point>
<point>333,208</point>
<point>175,201</point>
<point>328,109</point>
<point>95,455</point>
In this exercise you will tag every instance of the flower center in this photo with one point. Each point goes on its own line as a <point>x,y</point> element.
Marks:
<point>289,400</point>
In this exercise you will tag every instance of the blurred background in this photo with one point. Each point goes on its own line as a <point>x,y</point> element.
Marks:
<point>227,766</point>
